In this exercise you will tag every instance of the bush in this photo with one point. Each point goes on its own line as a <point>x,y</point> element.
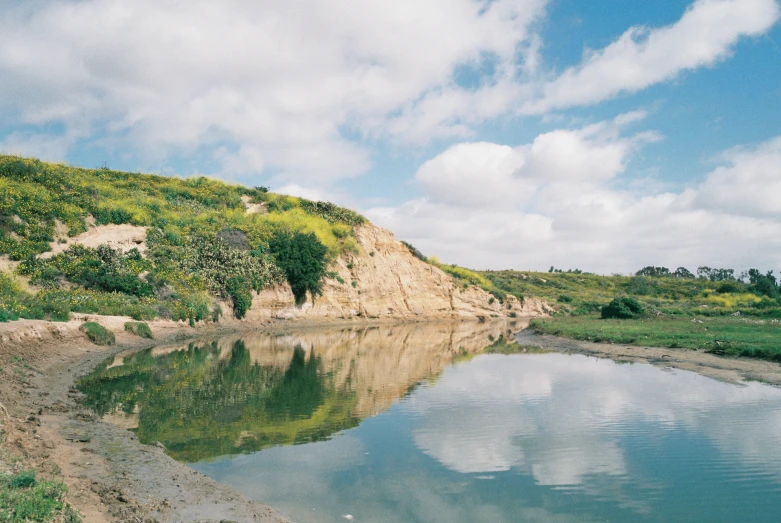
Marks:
<point>303,259</point>
<point>139,328</point>
<point>97,333</point>
<point>622,308</point>
<point>6,316</point>
<point>241,295</point>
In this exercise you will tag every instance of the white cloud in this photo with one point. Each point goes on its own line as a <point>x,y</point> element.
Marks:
<point>554,416</point>
<point>554,202</point>
<point>280,81</point>
<point>641,57</point>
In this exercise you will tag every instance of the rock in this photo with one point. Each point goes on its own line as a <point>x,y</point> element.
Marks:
<point>392,283</point>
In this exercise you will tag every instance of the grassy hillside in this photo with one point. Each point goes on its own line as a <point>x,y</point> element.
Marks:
<point>202,244</point>
<point>716,312</point>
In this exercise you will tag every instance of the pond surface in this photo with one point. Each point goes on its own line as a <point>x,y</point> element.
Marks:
<point>435,423</point>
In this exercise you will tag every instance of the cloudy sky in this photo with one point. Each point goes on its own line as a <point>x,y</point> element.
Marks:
<point>492,133</point>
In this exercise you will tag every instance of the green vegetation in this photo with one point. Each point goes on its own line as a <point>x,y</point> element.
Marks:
<point>303,259</point>
<point>732,336</point>
<point>202,244</point>
<point>715,311</point>
<point>25,498</point>
<point>139,328</point>
<point>97,333</point>
<point>579,294</point>
<point>622,308</point>
<point>201,402</point>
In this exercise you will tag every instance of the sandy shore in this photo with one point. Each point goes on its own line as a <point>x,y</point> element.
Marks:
<point>732,370</point>
<point>113,477</point>
<point>109,474</point>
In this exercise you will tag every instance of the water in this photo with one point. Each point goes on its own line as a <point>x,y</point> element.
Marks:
<point>416,423</point>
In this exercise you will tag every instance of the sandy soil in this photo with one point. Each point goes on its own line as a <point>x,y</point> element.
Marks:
<point>110,475</point>
<point>123,237</point>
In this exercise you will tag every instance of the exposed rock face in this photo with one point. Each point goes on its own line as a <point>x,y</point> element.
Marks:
<point>388,283</point>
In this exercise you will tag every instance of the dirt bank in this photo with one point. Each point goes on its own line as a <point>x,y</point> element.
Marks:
<point>733,370</point>
<point>110,475</point>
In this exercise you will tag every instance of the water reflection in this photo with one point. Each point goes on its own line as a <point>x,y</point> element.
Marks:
<point>439,431</point>
<point>238,395</point>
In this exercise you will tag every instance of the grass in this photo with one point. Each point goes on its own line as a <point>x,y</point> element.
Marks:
<point>139,328</point>
<point>731,336</point>
<point>97,333</point>
<point>25,498</point>
<point>586,294</point>
<point>39,201</point>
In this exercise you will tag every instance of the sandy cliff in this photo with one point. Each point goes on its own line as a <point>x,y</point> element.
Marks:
<point>389,283</point>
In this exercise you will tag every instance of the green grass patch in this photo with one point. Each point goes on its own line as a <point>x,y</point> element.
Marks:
<point>97,333</point>
<point>139,328</point>
<point>731,336</point>
<point>25,498</point>
<point>585,294</point>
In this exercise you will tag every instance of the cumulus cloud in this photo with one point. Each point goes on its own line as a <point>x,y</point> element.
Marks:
<point>554,417</point>
<point>641,57</point>
<point>554,202</point>
<point>279,81</point>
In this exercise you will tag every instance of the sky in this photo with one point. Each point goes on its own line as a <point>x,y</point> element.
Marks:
<point>494,134</point>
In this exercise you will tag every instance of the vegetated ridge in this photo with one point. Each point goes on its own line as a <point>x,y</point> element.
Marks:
<point>714,309</point>
<point>98,241</point>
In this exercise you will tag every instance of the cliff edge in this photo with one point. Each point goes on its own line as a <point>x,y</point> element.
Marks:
<point>384,280</point>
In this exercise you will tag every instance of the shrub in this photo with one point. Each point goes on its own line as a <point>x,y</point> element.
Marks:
<point>303,259</point>
<point>6,316</point>
<point>97,333</point>
<point>240,294</point>
<point>622,308</point>
<point>565,299</point>
<point>139,328</point>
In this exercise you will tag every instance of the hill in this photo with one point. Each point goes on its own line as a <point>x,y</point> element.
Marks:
<point>99,241</point>
<point>716,311</point>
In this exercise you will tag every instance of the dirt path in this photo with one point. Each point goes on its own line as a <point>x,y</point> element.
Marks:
<point>110,475</point>
<point>733,370</point>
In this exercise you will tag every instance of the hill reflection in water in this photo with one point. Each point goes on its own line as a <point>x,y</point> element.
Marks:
<point>243,394</point>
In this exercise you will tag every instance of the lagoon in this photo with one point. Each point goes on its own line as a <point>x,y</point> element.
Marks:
<point>435,422</point>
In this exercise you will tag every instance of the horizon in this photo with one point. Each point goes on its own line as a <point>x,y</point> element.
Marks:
<point>524,133</point>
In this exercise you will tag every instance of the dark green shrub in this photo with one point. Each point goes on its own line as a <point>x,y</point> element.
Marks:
<point>240,294</point>
<point>565,299</point>
<point>622,308</point>
<point>303,259</point>
<point>6,316</point>
<point>25,479</point>
<point>139,328</point>
<point>416,253</point>
<point>728,287</point>
<point>97,333</point>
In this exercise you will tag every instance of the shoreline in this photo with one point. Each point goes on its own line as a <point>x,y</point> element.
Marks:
<point>111,476</point>
<point>723,368</point>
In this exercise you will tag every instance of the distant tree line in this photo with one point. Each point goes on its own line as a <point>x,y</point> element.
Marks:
<point>762,284</point>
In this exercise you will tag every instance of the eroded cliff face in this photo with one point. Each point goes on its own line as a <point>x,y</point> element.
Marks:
<point>388,283</point>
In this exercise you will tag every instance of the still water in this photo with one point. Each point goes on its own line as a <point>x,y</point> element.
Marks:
<point>438,423</point>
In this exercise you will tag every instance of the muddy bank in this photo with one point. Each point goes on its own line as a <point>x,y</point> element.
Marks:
<point>109,474</point>
<point>732,370</point>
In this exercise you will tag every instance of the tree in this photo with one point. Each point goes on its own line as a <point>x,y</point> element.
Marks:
<point>683,272</point>
<point>656,272</point>
<point>763,284</point>
<point>708,273</point>
<point>303,259</point>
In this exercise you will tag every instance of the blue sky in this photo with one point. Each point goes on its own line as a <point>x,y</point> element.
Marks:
<point>495,134</point>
